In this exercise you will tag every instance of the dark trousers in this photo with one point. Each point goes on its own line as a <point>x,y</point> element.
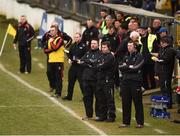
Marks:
<point>89,88</point>
<point>148,76</point>
<point>56,69</point>
<point>131,91</point>
<point>75,73</point>
<point>105,95</point>
<point>116,75</point>
<point>165,86</point>
<point>25,58</point>
<point>51,80</point>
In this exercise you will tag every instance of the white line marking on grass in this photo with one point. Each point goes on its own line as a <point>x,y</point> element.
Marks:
<point>26,106</point>
<point>159,131</point>
<point>41,65</point>
<point>53,100</point>
<point>147,124</point>
<point>35,59</point>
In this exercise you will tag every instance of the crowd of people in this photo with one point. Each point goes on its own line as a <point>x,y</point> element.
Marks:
<point>115,53</point>
<point>150,5</point>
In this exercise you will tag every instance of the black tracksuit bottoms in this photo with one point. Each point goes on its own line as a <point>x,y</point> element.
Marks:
<point>56,69</point>
<point>89,88</point>
<point>105,95</point>
<point>25,58</point>
<point>131,91</point>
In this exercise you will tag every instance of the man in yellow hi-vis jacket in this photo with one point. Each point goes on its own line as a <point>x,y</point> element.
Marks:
<point>55,51</point>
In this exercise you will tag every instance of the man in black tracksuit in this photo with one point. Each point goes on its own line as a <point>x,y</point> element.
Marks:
<point>89,33</point>
<point>105,84</point>
<point>149,42</point>
<point>76,51</point>
<point>114,40</point>
<point>131,68</point>
<point>44,41</point>
<point>166,60</point>
<point>89,77</point>
<point>25,34</point>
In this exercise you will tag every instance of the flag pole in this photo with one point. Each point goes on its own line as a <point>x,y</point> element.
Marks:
<point>2,47</point>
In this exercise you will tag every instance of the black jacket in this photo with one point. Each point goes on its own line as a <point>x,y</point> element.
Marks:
<point>114,41</point>
<point>167,60</point>
<point>106,67</point>
<point>25,34</point>
<point>131,67</point>
<point>89,61</point>
<point>89,34</point>
<point>76,51</point>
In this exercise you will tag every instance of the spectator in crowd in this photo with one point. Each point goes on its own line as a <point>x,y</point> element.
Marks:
<point>55,51</point>
<point>119,16</point>
<point>102,22</point>
<point>44,41</point>
<point>149,45</point>
<point>117,25</point>
<point>25,34</point>
<point>149,5</point>
<point>166,59</point>
<point>89,77</point>
<point>131,68</point>
<point>89,33</point>
<point>163,32</point>
<point>76,51</point>
<point>105,84</point>
<point>156,25</point>
<point>109,22</point>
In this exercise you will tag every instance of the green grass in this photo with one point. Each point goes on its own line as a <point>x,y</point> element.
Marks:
<point>28,112</point>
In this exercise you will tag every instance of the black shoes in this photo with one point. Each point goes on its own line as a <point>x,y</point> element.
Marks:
<point>67,98</point>
<point>105,119</point>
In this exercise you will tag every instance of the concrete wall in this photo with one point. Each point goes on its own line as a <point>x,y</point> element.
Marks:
<point>13,9</point>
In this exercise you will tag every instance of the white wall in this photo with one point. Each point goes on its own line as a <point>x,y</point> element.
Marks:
<point>13,9</point>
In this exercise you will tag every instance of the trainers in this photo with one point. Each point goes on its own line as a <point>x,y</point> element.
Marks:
<point>139,126</point>
<point>123,126</point>
<point>100,119</point>
<point>67,98</point>
<point>26,72</point>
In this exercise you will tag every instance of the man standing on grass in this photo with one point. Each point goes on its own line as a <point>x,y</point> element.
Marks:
<point>44,41</point>
<point>25,34</point>
<point>55,51</point>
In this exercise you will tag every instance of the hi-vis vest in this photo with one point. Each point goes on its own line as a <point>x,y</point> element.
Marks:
<point>150,40</point>
<point>56,56</point>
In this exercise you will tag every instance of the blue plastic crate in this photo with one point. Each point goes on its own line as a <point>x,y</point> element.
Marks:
<point>160,99</point>
<point>159,113</point>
